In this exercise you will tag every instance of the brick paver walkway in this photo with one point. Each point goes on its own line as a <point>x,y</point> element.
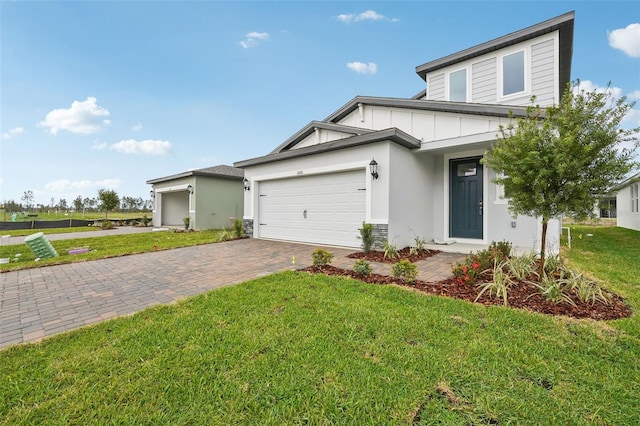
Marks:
<point>40,302</point>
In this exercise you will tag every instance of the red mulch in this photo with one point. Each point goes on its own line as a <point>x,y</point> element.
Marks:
<point>378,256</point>
<point>521,296</point>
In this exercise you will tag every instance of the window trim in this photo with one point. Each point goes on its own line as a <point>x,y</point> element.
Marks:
<point>634,187</point>
<point>467,81</point>
<point>527,73</point>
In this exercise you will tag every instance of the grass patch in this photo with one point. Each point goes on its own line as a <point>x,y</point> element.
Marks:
<point>611,255</point>
<point>25,232</point>
<point>296,348</point>
<point>108,246</point>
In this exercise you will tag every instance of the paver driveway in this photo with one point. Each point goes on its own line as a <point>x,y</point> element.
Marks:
<point>40,302</point>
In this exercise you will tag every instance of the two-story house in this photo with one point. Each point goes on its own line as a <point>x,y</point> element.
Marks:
<point>412,166</point>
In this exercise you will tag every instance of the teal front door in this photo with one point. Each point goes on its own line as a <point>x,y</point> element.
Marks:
<point>465,198</point>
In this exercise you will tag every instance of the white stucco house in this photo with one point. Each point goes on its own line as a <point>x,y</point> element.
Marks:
<point>209,197</point>
<point>411,166</point>
<point>627,204</point>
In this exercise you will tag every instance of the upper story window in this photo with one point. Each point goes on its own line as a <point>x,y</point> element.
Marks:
<point>458,86</point>
<point>634,198</point>
<point>513,73</point>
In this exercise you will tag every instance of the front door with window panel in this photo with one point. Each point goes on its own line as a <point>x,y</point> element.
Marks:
<point>465,198</point>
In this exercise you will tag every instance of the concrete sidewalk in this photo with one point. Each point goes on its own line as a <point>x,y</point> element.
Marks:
<point>40,302</point>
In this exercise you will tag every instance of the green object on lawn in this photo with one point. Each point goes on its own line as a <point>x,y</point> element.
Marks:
<point>40,246</point>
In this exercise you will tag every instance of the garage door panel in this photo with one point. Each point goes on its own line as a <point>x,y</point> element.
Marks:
<point>334,206</point>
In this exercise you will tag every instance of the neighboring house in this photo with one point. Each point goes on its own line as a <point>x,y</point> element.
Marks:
<point>412,166</point>
<point>209,197</point>
<point>627,194</point>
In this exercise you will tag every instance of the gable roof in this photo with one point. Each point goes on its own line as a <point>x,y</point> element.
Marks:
<point>494,110</point>
<point>310,128</point>
<point>562,23</point>
<point>631,179</point>
<point>392,134</point>
<point>220,171</point>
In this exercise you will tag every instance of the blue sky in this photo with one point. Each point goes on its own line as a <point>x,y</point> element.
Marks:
<point>99,94</point>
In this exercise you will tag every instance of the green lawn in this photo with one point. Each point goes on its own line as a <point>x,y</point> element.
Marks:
<point>108,246</point>
<point>294,348</point>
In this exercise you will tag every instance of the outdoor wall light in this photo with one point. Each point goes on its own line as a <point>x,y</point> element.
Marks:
<point>152,194</point>
<point>373,168</point>
<point>245,181</point>
<point>190,189</point>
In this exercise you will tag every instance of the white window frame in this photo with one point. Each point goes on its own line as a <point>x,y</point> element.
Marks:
<point>527,73</point>
<point>634,197</point>
<point>467,82</point>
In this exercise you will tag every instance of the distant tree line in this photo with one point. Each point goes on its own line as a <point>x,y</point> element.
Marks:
<point>105,200</point>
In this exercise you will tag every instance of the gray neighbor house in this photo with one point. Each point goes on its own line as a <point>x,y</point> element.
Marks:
<point>412,166</point>
<point>210,197</point>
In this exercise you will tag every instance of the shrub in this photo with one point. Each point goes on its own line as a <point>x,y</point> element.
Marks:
<point>467,272</point>
<point>225,235</point>
<point>405,270</point>
<point>362,268</point>
<point>321,257</point>
<point>106,224</point>
<point>554,290</point>
<point>522,266</point>
<point>419,243</point>
<point>187,222</point>
<point>145,220</point>
<point>500,284</point>
<point>501,249</point>
<point>587,291</point>
<point>237,227</point>
<point>366,235</point>
<point>390,250</point>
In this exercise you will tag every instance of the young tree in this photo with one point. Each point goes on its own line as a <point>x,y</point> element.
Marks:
<point>77,204</point>
<point>28,199</point>
<point>109,200</point>
<point>561,161</point>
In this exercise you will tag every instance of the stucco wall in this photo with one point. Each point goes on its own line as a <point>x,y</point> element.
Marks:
<point>342,160</point>
<point>626,219</point>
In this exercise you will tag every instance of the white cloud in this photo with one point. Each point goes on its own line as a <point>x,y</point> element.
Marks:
<point>362,68</point>
<point>62,186</point>
<point>98,145</point>
<point>626,39</point>
<point>84,117</point>
<point>635,95</point>
<point>136,127</point>
<point>590,86</point>
<point>253,38</point>
<point>368,15</point>
<point>148,146</point>
<point>632,119</point>
<point>13,132</point>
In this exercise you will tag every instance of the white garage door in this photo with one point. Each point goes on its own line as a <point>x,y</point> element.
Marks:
<point>324,209</point>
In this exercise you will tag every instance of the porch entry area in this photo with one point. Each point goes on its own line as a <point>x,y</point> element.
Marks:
<point>465,198</point>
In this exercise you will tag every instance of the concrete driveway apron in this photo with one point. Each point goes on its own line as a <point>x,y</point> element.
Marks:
<point>40,302</point>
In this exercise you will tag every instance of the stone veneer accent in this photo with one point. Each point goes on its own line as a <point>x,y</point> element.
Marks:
<point>380,235</point>
<point>247,226</point>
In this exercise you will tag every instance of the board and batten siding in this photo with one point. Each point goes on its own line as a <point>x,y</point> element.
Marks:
<point>542,72</point>
<point>435,88</point>
<point>484,81</point>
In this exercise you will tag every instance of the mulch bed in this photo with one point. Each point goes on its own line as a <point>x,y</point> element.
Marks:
<point>521,296</point>
<point>405,253</point>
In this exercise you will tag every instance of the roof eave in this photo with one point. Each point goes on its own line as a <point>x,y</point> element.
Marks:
<point>393,135</point>
<point>564,23</point>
